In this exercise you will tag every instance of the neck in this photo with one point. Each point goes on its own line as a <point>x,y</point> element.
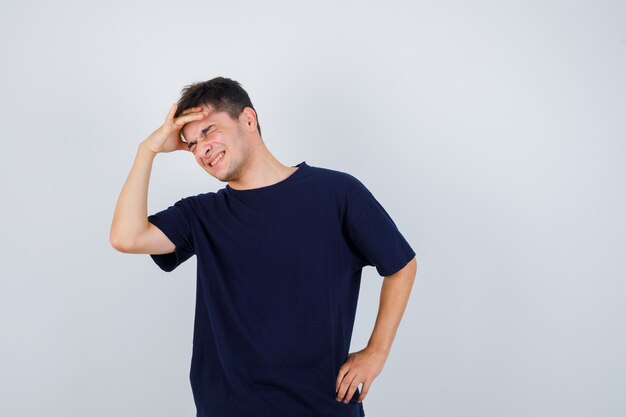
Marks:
<point>263,169</point>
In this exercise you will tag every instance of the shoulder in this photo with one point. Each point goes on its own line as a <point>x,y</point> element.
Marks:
<point>339,179</point>
<point>349,192</point>
<point>194,203</point>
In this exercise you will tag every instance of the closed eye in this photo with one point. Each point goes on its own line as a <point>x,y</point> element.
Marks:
<point>203,134</point>
<point>204,131</point>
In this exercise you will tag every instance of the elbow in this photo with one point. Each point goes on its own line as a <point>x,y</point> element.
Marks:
<point>119,244</point>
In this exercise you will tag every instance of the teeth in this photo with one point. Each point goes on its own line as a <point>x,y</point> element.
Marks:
<point>217,159</point>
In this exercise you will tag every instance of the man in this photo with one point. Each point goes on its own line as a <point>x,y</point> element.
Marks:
<point>280,251</point>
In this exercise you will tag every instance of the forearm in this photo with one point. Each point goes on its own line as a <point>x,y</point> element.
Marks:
<point>131,210</point>
<point>394,297</point>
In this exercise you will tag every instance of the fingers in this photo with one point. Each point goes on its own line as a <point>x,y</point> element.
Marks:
<point>191,114</point>
<point>342,372</point>
<point>347,388</point>
<point>190,109</point>
<point>353,386</point>
<point>366,387</point>
<point>170,114</point>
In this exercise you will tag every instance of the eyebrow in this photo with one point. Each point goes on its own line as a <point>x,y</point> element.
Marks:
<point>202,133</point>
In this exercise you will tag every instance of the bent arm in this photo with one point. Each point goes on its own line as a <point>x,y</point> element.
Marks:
<point>130,230</point>
<point>394,297</point>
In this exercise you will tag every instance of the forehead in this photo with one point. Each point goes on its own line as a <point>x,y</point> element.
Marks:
<point>192,129</point>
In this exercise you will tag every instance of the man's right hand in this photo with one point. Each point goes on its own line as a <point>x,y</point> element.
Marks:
<point>167,137</point>
<point>130,230</point>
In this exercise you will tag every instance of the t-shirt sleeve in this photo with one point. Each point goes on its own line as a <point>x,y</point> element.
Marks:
<point>175,223</point>
<point>374,234</point>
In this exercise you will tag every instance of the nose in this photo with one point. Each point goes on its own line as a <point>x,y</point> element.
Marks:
<point>200,147</point>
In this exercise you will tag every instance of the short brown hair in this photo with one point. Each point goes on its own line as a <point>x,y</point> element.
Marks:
<point>219,93</point>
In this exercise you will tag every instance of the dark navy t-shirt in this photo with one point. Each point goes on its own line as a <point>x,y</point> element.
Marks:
<point>278,275</point>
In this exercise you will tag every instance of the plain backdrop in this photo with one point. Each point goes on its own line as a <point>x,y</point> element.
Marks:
<point>493,132</point>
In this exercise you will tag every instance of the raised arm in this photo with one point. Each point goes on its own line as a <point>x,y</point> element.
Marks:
<point>130,230</point>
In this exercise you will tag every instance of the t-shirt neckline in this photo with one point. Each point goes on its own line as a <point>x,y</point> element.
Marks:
<point>268,188</point>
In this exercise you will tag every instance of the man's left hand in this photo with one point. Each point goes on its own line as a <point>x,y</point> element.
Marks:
<point>360,367</point>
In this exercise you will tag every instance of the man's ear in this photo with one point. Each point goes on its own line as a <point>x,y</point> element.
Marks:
<point>248,116</point>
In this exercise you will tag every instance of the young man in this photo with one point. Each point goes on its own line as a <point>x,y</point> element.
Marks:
<point>280,251</point>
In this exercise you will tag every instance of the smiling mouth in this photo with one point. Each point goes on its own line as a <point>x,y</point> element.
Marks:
<point>217,159</point>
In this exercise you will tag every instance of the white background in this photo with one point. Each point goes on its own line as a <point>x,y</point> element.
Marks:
<point>493,132</point>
